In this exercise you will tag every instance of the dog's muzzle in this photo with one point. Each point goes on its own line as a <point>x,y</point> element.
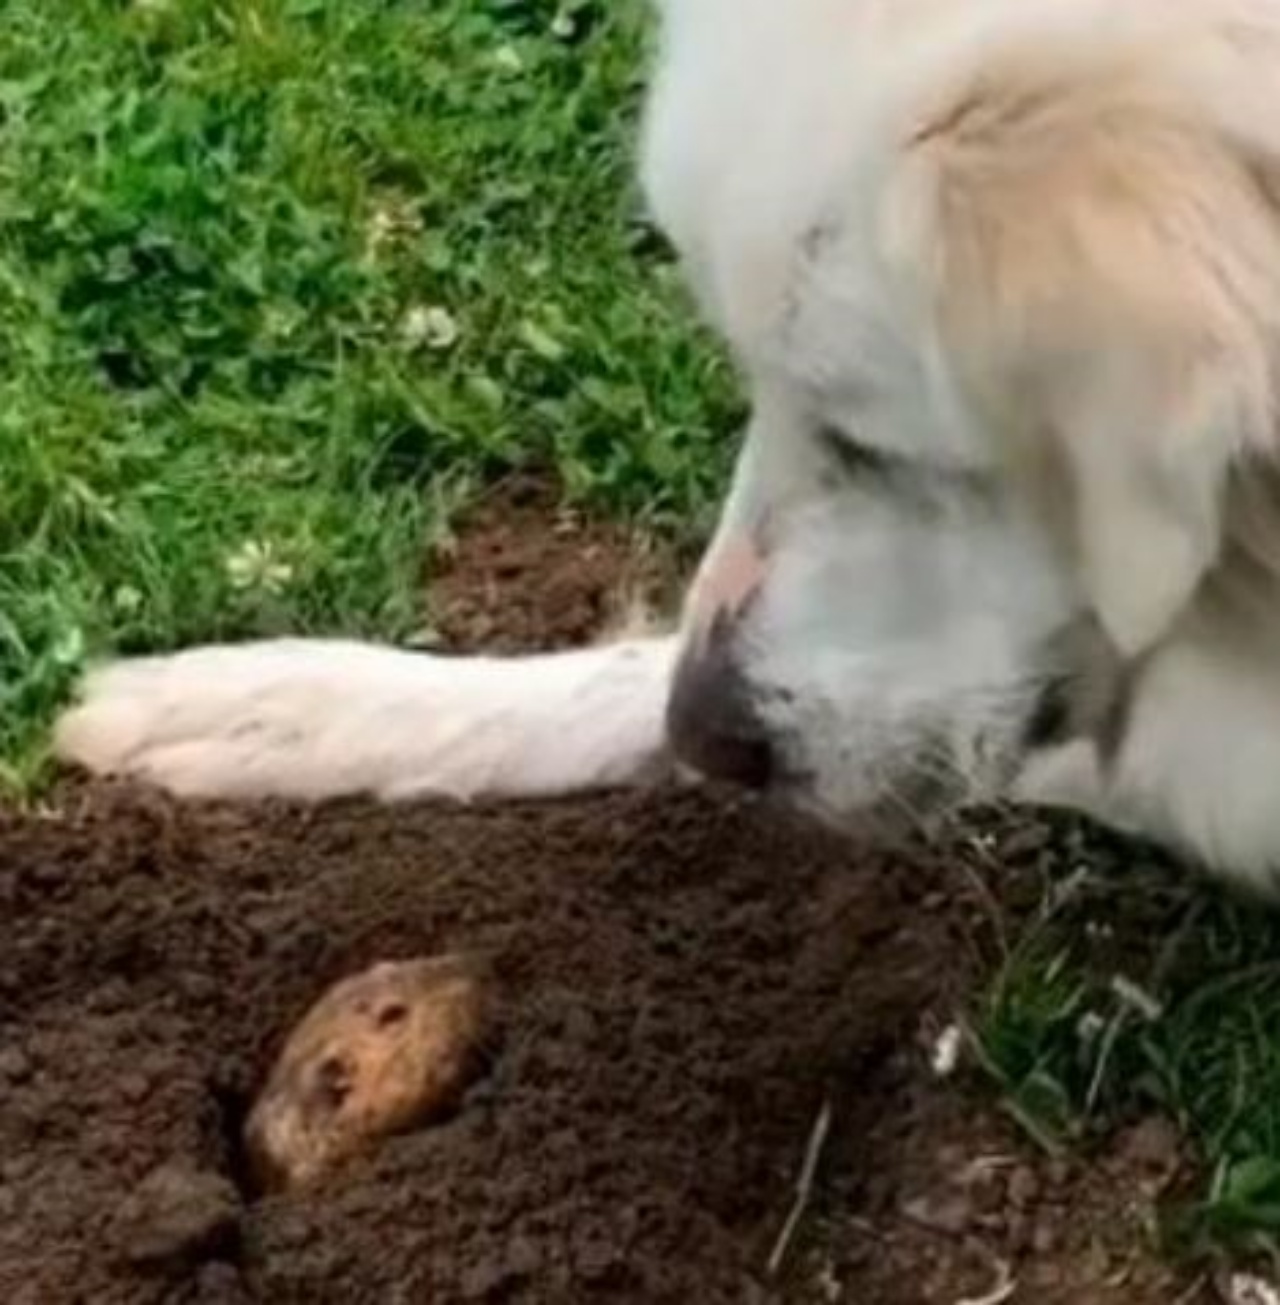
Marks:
<point>711,722</point>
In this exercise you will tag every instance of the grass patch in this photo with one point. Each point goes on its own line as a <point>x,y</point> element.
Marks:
<point>1137,989</point>
<point>278,279</point>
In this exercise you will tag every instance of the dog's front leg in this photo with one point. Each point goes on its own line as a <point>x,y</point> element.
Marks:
<point>313,719</point>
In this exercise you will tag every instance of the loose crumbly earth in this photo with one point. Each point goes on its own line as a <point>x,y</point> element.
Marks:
<point>683,980</point>
<point>532,575</point>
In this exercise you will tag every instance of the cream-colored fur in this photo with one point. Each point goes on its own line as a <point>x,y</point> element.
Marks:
<point>311,719</point>
<point>1028,251</point>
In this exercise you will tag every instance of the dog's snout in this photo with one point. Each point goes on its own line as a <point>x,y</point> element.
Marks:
<point>711,720</point>
<point>726,585</point>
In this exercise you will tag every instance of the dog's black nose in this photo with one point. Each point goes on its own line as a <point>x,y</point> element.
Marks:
<point>711,721</point>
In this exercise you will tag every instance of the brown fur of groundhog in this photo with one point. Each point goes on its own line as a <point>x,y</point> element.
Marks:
<point>381,1052</point>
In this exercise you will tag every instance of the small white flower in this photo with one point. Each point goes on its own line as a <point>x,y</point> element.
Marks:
<point>394,218</point>
<point>435,327</point>
<point>256,565</point>
<point>564,26</point>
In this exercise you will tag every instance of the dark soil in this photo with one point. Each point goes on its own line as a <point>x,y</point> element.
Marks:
<point>530,574</point>
<point>683,981</point>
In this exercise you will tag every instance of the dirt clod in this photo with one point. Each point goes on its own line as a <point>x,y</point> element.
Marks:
<point>1154,1147</point>
<point>950,1214</point>
<point>1024,1187</point>
<point>15,1065</point>
<point>177,1213</point>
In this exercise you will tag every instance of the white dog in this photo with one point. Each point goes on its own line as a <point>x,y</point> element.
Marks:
<point>1003,277</point>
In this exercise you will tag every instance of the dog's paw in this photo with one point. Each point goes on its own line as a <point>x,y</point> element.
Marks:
<point>318,719</point>
<point>290,718</point>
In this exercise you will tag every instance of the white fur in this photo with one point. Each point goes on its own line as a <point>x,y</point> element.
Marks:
<point>318,719</point>
<point>912,645</point>
<point>1202,761</point>
<point>1028,248</point>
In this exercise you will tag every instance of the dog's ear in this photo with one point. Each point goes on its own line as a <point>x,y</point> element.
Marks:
<point>1106,285</point>
<point>1138,439</point>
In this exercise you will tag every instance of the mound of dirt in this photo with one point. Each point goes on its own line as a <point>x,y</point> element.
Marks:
<point>683,981</point>
<point>686,988</point>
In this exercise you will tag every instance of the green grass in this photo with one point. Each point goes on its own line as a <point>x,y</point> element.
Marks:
<point>1140,989</point>
<point>281,279</point>
<point>278,278</point>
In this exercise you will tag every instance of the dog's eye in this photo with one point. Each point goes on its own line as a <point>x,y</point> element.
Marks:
<point>901,475</point>
<point>854,458</point>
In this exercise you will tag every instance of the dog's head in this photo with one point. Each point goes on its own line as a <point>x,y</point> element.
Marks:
<point>878,635</point>
<point>1008,303</point>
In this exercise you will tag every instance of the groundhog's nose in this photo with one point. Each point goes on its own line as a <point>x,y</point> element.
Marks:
<point>711,721</point>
